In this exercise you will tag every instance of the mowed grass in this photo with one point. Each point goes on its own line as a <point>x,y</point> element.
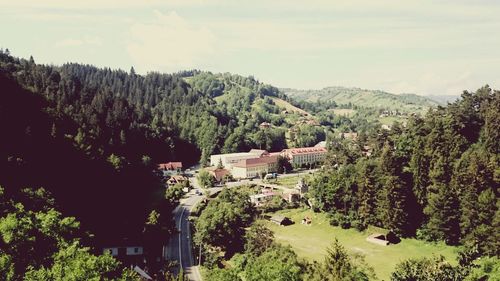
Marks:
<point>289,182</point>
<point>310,242</point>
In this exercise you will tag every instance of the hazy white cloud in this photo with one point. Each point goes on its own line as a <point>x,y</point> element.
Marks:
<point>421,46</point>
<point>102,4</point>
<point>169,43</point>
<point>72,42</point>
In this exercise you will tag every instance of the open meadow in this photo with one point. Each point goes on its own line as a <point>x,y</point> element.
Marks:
<point>311,242</point>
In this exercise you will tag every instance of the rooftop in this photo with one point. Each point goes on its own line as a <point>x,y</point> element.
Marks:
<point>170,166</point>
<point>256,161</point>
<point>305,150</point>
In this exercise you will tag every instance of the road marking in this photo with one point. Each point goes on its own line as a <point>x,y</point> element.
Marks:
<point>180,238</point>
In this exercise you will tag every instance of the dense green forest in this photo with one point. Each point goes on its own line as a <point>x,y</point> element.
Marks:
<point>436,179</point>
<point>91,138</point>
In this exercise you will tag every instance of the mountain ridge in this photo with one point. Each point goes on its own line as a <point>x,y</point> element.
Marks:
<point>354,96</point>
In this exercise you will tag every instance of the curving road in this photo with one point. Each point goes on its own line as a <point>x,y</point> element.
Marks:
<point>179,246</point>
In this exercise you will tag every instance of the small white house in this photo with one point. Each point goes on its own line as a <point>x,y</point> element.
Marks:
<point>259,199</point>
<point>127,251</point>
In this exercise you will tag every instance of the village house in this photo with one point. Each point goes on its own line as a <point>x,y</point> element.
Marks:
<point>170,168</point>
<point>349,136</point>
<point>265,125</point>
<point>386,127</point>
<point>129,251</point>
<point>176,179</point>
<point>218,174</point>
<point>124,251</point>
<point>259,199</point>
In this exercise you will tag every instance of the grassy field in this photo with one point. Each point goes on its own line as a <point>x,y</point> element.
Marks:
<point>289,182</point>
<point>288,106</point>
<point>310,242</point>
<point>343,112</point>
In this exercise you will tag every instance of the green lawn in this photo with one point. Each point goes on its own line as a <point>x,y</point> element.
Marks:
<point>311,241</point>
<point>289,182</point>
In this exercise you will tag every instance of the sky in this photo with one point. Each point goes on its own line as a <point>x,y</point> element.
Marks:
<point>439,47</point>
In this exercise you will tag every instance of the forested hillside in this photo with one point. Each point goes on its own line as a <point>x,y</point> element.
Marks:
<point>93,136</point>
<point>436,179</point>
<point>361,98</point>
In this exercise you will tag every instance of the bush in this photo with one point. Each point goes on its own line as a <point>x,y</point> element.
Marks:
<point>211,259</point>
<point>359,225</point>
<point>334,219</point>
<point>345,223</point>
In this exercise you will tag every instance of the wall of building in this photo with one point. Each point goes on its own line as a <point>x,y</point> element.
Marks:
<point>308,158</point>
<point>134,251</point>
<point>228,160</point>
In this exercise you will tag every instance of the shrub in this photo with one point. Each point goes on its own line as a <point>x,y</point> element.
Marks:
<point>359,225</point>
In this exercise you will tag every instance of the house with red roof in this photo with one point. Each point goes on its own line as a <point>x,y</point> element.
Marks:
<point>218,174</point>
<point>170,168</point>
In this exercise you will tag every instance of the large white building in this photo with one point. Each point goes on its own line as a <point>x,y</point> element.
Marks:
<point>256,162</point>
<point>228,160</point>
<point>251,168</point>
<point>305,155</point>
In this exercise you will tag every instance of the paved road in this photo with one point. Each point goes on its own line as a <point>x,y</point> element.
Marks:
<point>179,246</point>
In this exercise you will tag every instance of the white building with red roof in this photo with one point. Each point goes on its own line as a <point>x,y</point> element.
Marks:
<point>250,168</point>
<point>229,159</point>
<point>305,155</point>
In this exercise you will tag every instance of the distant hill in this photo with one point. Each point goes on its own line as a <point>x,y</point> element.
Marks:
<point>444,99</point>
<point>364,98</point>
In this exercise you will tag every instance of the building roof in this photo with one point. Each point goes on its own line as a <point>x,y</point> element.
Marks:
<point>245,163</point>
<point>142,273</point>
<point>321,144</point>
<point>176,179</point>
<point>236,154</point>
<point>279,218</point>
<point>305,150</point>
<point>218,173</point>
<point>258,151</point>
<point>170,166</point>
<point>352,136</point>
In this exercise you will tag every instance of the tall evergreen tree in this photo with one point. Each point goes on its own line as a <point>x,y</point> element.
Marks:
<point>367,191</point>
